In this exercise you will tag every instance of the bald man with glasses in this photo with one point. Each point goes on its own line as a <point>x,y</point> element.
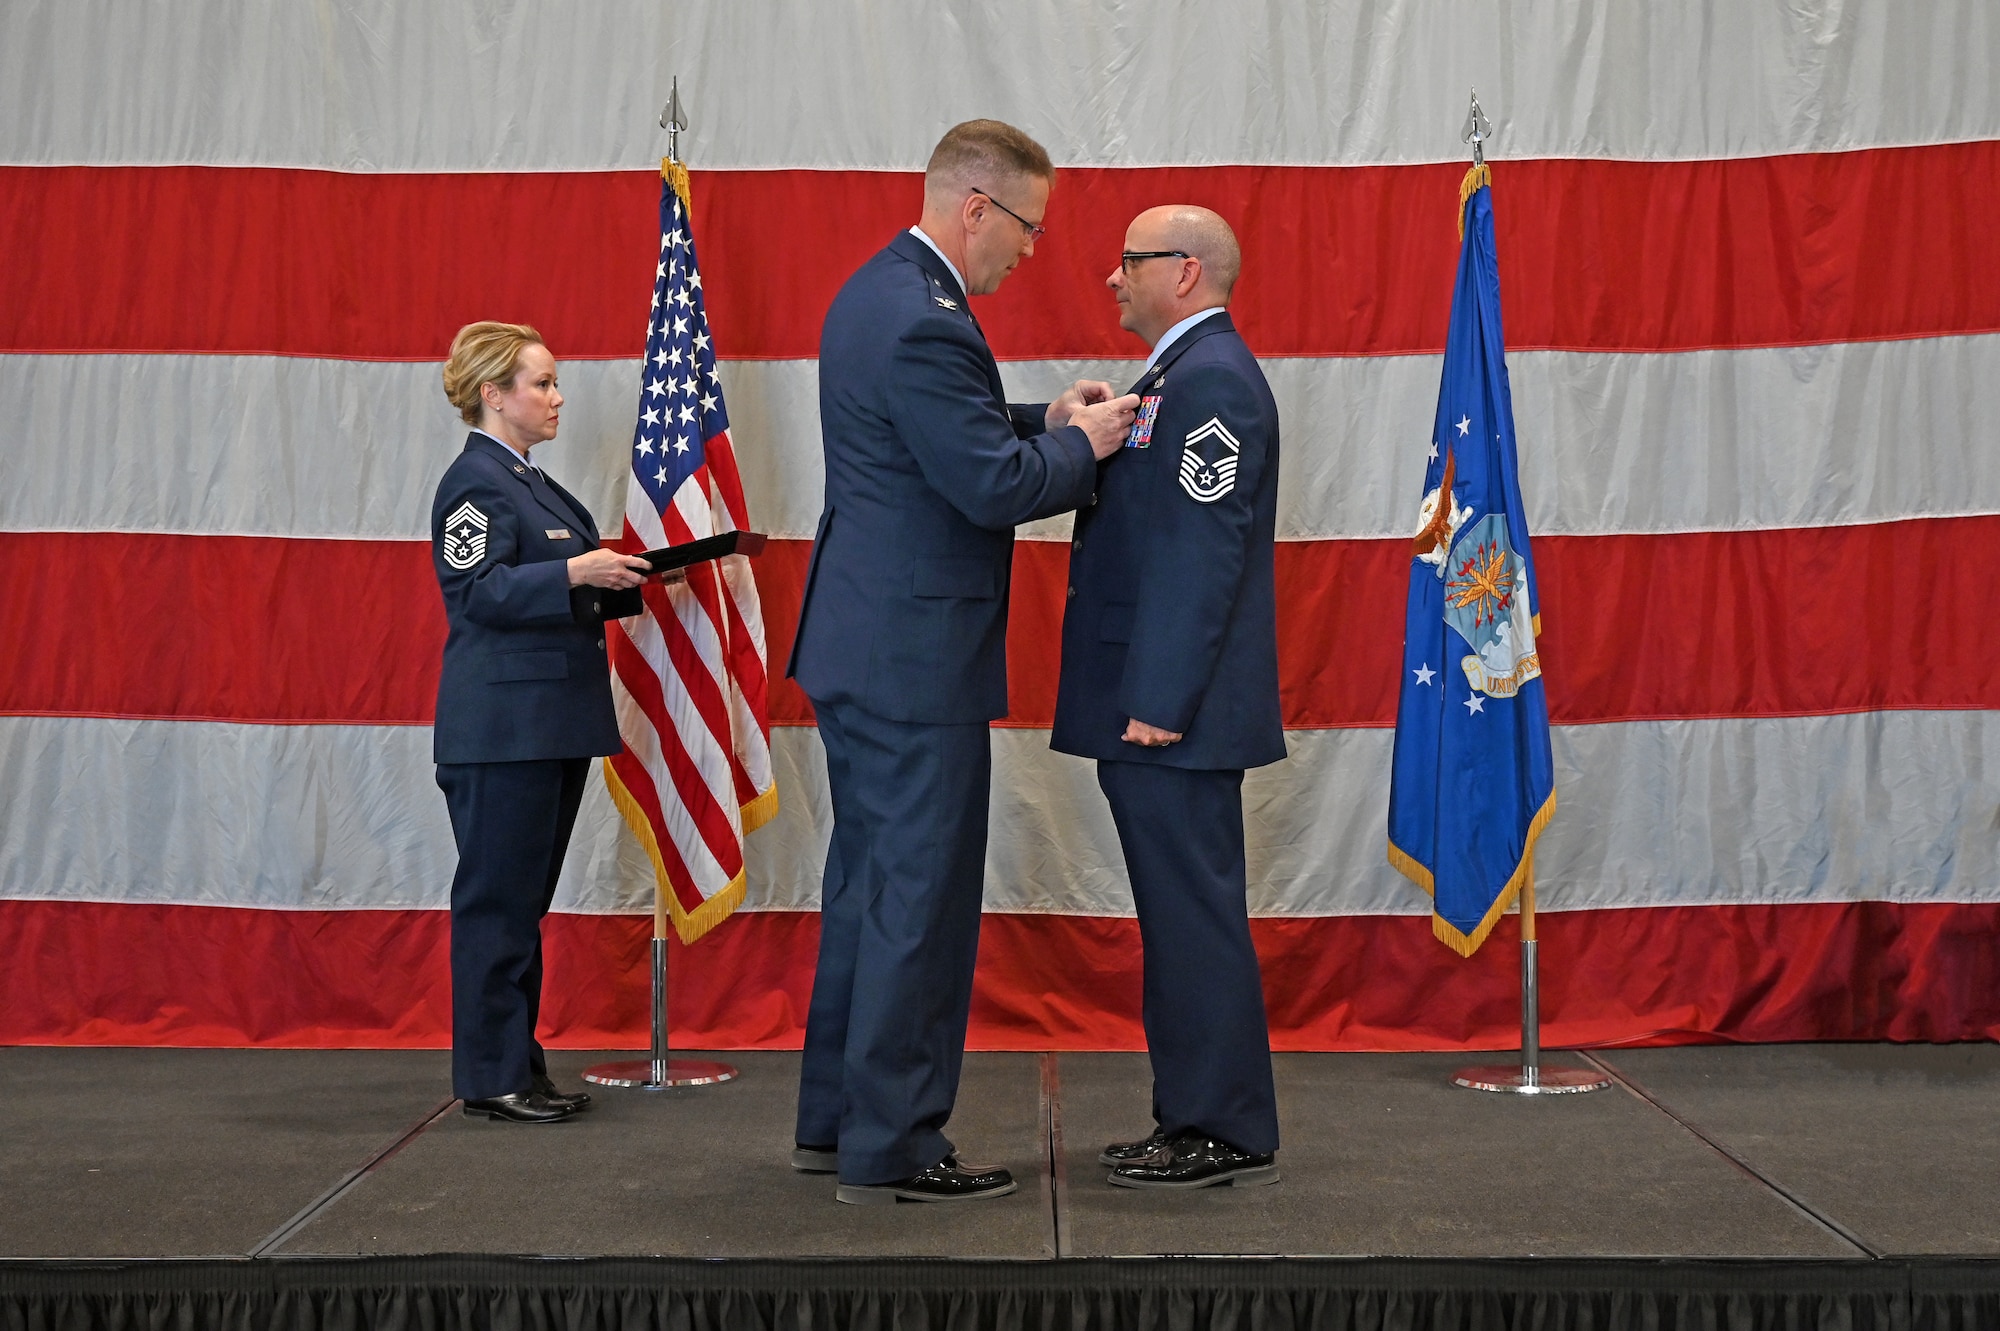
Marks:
<point>1170,681</point>
<point>902,648</point>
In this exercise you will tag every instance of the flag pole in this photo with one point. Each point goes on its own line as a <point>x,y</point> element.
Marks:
<point>1531,985</point>
<point>1530,1078</point>
<point>662,1070</point>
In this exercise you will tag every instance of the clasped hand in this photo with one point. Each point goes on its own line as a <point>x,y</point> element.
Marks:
<point>1148,737</point>
<point>1088,404</point>
<point>613,571</point>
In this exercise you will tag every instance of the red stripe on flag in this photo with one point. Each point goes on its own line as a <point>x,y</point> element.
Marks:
<point>691,792</point>
<point>638,785</point>
<point>224,628</point>
<point>710,821</point>
<point>96,974</point>
<point>1768,623</point>
<point>1810,248</point>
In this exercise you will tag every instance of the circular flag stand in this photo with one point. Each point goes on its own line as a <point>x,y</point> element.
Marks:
<point>1531,1078</point>
<point>660,1071</point>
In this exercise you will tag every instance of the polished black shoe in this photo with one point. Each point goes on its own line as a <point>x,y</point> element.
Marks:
<point>1132,1153</point>
<point>815,1159</point>
<point>520,1107</point>
<point>547,1090</point>
<point>1196,1160</point>
<point>946,1181</point>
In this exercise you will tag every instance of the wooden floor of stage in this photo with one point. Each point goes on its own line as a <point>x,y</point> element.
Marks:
<point>1800,1151</point>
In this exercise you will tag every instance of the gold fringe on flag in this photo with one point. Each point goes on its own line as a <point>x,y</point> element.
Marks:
<point>1475,178</point>
<point>1467,944</point>
<point>676,174</point>
<point>668,912</point>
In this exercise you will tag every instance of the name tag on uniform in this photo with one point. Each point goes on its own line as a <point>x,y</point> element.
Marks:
<point>1142,425</point>
<point>557,533</point>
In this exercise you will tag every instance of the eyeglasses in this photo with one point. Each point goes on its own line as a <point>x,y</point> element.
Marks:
<point>1034,232</point>
<point>1130,257</point>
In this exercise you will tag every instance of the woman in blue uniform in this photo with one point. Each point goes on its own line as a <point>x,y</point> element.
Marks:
<point>524,704</point>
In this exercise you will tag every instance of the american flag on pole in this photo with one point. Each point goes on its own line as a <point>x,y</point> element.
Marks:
<point>688,676</point>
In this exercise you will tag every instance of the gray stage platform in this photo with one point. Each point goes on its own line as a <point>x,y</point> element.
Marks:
<point>1821,1151</point>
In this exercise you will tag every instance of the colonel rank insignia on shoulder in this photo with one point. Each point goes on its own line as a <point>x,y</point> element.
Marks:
<point>1208,466</point>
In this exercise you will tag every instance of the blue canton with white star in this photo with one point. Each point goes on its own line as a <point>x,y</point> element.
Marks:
<point>680,395</point>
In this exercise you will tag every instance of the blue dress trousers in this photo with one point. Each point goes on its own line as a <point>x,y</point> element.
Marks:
<point>902,649</point>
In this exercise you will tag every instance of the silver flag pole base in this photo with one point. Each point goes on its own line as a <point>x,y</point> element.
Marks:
<point>662,1069</point>
<point>1529,1077</point>
<point>1514,1079</point>
<point>646,1075</point>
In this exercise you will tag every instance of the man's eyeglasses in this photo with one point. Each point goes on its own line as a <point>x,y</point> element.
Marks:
<point>1130,257</point>
<point>1034,232</point>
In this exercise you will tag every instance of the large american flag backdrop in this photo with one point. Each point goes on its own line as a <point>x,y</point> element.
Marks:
<point>1754,338</point>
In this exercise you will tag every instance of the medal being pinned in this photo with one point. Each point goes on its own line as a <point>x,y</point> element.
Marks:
<point>1142,425</point>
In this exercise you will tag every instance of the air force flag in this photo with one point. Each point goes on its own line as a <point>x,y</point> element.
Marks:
<point>1474,781</point>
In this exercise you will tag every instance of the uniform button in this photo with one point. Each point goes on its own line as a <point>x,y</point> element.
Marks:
<point>1077,544</point>
<point>1070,594</point>
<point>600,644</point>
<point>597,607</point>
<point>1093,501</point>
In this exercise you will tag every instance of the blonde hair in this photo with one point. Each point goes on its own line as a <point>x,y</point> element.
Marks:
<point>484,353</point>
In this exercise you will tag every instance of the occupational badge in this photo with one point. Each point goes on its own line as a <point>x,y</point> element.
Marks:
<point>464,537</point>
<point>1208,462</point>
<point>1486,604</point>
<point>1142,425</point>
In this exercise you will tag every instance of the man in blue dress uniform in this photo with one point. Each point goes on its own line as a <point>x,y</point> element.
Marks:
<point>1170,681</point>
<point>902,649</point>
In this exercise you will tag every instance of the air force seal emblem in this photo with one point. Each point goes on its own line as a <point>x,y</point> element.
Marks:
<point>1208,463</point>
<point>464,537</point>
<point>1486,604</point>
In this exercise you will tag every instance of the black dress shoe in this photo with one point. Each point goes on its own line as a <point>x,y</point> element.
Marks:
<point>1132,1153</point>
<point>547,1090</point>
<point>1196,1160</point>
<point>946,1181</point>
<point>815,1159</point>
<point>520,1107</point>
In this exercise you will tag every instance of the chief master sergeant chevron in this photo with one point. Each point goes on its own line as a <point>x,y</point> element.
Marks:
<point>1170,680</point>
<point>902,649</point>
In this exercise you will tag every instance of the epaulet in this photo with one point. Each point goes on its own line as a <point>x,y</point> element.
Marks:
<point>944,299</point>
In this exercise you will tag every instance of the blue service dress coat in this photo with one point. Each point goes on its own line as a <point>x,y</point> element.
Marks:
<point>1172,617</point>
<point>902,647</point>
<point>525,673</point>
<point>524,703</point>
<point>928,471</point>
<point>1172,621</point>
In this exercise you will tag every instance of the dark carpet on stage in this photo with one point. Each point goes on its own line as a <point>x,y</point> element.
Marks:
<point>1844,1186</point>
